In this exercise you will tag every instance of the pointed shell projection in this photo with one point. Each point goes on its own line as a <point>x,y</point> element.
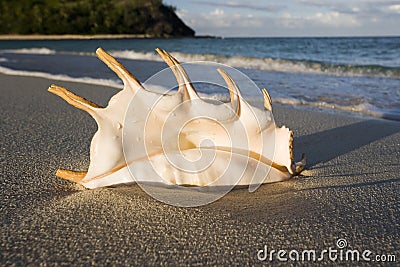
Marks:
<point>179,138</point>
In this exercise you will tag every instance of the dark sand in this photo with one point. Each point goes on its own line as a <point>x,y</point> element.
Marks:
<point>350,190</point>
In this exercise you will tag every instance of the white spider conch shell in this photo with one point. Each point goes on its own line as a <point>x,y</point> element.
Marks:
<point>179,138</point>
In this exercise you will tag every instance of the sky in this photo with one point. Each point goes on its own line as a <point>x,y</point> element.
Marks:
<point>285,18</point>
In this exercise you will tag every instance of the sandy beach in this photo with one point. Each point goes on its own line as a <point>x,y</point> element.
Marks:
<point>349,190</point>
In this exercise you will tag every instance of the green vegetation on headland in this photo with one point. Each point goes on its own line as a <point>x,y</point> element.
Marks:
<point>90,17</point>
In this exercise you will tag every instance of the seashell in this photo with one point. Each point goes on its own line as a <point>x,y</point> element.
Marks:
<point>179,138</point>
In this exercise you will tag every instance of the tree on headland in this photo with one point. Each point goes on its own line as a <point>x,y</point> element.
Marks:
<point>150,17</point>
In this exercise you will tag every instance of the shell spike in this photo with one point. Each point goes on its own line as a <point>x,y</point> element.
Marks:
<point>185,85</point>
<point>75,100</point>
<point>117,67</point>
<point>186,80</point>
<point>234,91</point>
<point>267,100</point>
<point>74,176</point>
<point>300,166</point>
<point>175,71</point>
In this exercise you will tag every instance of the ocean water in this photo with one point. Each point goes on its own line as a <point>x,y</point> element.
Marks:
<point>360,76</point>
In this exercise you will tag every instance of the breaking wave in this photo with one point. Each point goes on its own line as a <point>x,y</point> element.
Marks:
<point>366,106</point>
<point>61,77</point>
<point>37,51</point>
<point>362,108</point>
<point>271,64</point>
<point>267,64</point>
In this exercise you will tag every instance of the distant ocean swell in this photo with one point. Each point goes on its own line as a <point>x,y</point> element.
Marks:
<point>267,64</point>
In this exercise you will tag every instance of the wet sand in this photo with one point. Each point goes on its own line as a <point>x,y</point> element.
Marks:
<point>350,190</point>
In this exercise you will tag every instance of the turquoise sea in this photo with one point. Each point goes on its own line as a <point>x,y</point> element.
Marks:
<point>360,76</point>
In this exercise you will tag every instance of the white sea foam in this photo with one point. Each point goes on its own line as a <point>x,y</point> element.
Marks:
<point>362,108</point>
<point>129,54</point>
<point>267,64</point>
<point>60,77</point>
<point>38,51</point>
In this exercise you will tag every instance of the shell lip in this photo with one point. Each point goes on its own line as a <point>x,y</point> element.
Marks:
<point>250,154</point>
<point>79,176</point>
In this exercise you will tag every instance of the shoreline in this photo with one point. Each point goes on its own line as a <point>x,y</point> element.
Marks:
<point>20,37</point>
<point>156,64</point>
<point>73,36</point>
<point>309,84</point>
<point>23,37</point>
<point>349,191</point>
